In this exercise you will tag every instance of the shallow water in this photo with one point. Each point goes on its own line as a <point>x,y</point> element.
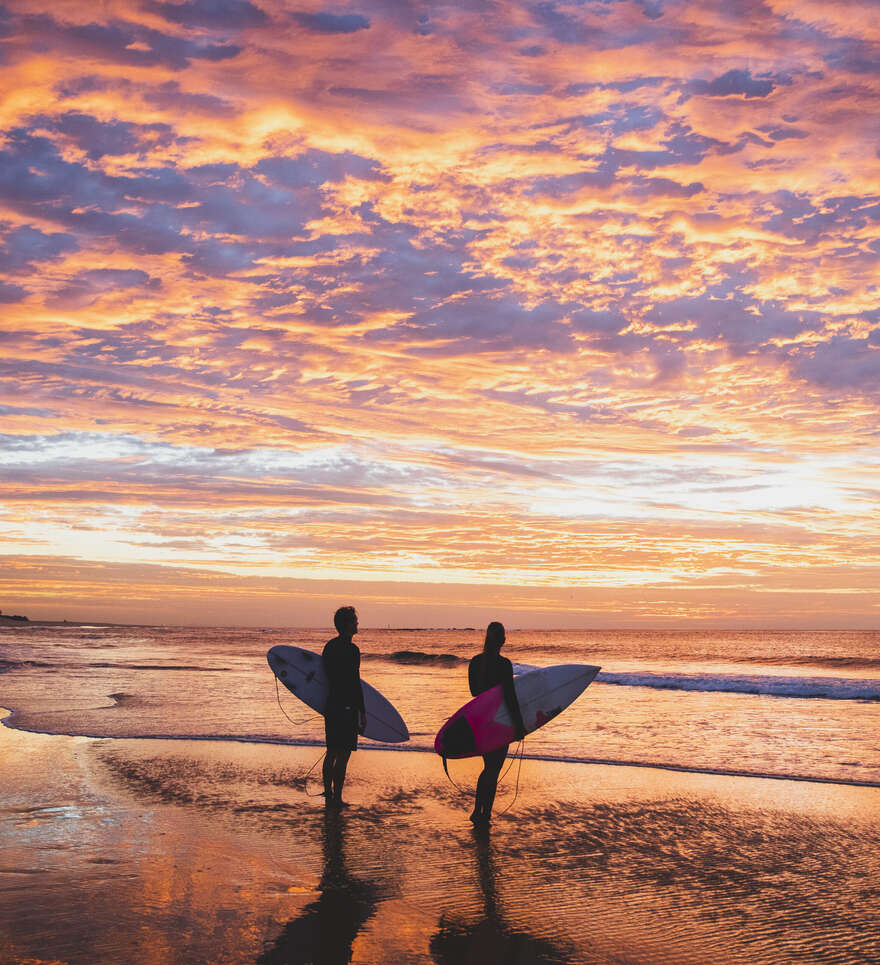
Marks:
<point>799,704</point>
<point>149,852</point>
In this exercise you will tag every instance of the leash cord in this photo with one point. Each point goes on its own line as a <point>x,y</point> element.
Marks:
<point>296,723</point>
<point>516,758</point>
<point>308,773</point>
<point>299,723</point>
<point>518,769</point>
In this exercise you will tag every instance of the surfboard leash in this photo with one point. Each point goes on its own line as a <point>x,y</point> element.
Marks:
<point>458,787</point>
<point>522,746</point>
<point>510,763</point>
<point>296,723</point>
<point>516,758</point>
<point>308,774</point>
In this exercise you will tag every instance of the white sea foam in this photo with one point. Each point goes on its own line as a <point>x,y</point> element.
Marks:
<point>828,688</point>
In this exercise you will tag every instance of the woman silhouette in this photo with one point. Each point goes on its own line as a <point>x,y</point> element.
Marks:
<point>488,669</point>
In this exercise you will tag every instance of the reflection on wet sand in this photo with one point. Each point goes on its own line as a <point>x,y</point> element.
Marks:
<point>151,852</point>
<point>325,931</point>
<point>491,938</point>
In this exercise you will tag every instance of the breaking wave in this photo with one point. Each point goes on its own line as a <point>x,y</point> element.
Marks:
<point>7,665</point>
<point>425,659</point>
<point>827,688</point>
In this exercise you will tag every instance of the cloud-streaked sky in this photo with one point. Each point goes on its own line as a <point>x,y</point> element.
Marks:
<point>565,313</point>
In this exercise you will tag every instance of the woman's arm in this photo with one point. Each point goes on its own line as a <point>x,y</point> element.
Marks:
<point>509,693</point>
<point>474,676</point>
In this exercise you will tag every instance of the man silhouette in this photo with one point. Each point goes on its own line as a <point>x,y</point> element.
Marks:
<point>344,714</point>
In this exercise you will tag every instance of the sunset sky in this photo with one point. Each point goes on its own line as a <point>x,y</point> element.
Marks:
<point>561,313</point>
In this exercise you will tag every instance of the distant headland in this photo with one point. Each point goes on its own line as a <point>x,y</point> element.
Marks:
<point>17,619</point>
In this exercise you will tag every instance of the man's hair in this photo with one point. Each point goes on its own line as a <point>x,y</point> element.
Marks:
<point>343,617</point>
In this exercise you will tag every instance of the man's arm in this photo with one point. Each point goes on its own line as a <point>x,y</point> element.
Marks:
<point>362,710</point>
<point>331,671</point>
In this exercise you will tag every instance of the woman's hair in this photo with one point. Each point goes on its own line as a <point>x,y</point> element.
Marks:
<point>494,637</point>
<point>343,617</point>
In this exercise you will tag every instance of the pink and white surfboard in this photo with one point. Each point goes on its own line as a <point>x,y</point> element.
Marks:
<point>484,723</point>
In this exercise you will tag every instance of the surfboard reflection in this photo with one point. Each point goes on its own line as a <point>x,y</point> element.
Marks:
<point>491,939</point>
<point>325,931</point>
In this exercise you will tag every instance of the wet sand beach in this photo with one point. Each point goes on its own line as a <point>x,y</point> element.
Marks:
<point>160,851</point>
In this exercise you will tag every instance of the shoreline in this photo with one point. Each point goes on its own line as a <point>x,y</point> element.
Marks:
<point>7,716</point>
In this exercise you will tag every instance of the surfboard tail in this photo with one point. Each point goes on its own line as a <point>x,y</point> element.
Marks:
<point>456,739</point>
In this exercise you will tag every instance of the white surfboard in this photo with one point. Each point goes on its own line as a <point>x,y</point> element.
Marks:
<point>484,724</point>
<point>542,694</point>
<point>302,672</point>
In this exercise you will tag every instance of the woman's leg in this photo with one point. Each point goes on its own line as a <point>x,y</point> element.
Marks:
<point>487,784</point>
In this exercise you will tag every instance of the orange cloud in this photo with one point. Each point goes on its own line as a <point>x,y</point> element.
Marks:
<point>544,297</point>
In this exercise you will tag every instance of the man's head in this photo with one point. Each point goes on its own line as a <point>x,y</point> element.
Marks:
<point>346,620</point>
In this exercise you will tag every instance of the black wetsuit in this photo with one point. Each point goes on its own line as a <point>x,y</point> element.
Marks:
<point>487,670</point>
<point>342,665</point>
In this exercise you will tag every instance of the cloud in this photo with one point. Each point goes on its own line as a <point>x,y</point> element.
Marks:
<point>664,187</point>
<point>91,285</point>
<point>216,14</point>
<point>313,168</point>
<point>12,293</point>
<point>783,133</point>
<point>331,23</point>
<point>480,322</point>
<point>854,55</point>
<point>168,96</point>
<point>400,289</point>
<point>841,363</point>
<point>165,95</point>
<point>173,207</point>
<point>734,83</point>
<point>604,321</point>
<point>741,322</point>
<point>99,138</point>
<point>24,246</point>
<point>589,31</point>
<point>121,42</point>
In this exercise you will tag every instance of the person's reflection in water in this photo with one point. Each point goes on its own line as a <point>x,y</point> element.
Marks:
<point>491,939</point>
<point>325,931</point>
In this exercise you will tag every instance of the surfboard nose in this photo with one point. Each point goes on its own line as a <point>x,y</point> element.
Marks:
<point>277,663</point>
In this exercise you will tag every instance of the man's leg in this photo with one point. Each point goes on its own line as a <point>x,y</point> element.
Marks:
<point>329,766</point>
<point>339,766</point>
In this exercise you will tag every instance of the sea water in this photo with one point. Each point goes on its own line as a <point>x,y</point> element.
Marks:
<point>801,704</point>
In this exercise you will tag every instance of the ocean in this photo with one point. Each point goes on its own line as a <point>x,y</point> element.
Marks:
<point>801,705</point>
